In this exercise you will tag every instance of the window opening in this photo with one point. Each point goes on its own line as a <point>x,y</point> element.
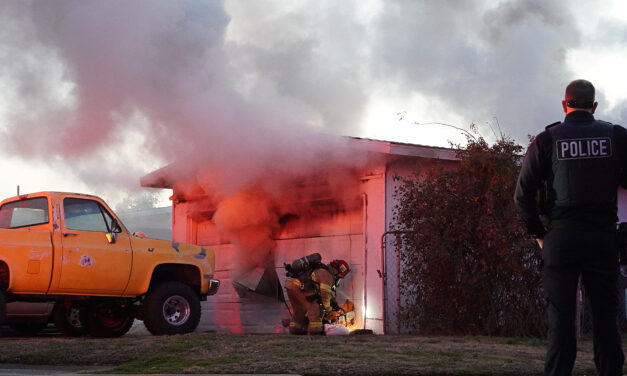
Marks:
<point>24,213</point>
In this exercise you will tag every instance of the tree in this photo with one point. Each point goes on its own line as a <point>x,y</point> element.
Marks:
<point>468,266</point>
<point>140,200</point>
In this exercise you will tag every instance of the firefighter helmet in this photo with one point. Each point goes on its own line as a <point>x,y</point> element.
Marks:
<point>341,266</point>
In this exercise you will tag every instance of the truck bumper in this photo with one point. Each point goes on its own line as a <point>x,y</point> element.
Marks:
<point>214,284</point>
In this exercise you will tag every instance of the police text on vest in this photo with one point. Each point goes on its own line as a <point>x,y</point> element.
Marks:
<point>584,148</point>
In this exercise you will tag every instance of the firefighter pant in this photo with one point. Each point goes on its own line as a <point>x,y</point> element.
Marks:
<point>306,316</point>
<point>592,255</point>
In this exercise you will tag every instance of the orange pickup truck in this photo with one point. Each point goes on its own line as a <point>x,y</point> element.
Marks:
<point>72,248</point>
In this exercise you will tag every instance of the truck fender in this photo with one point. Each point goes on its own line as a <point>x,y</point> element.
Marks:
<point>188,274</point>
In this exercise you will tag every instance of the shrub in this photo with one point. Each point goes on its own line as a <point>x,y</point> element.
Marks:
<point>468,266</point>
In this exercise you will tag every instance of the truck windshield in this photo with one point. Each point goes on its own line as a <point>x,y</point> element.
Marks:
<point>24,213</point>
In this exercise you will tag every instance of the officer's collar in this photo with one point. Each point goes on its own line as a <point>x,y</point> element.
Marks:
<point>579,115</point>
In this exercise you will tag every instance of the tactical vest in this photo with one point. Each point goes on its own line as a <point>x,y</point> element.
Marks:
<point>585,171</point>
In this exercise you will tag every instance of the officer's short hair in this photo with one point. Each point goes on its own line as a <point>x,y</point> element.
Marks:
<point>579,94</point>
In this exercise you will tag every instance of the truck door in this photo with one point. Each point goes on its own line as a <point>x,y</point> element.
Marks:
<point>91,261</point>
<point>26,242</point>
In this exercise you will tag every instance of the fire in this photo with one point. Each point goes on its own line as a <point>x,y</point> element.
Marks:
<point>342,321</point>
<point>345,316</point>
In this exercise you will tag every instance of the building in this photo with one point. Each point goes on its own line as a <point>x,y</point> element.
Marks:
<point>345,216</point>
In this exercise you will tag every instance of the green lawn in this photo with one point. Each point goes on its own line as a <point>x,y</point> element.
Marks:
<point>280,353</point>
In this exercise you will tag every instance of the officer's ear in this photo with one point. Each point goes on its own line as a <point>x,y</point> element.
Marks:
<point>594,107</point>
<point>565,106</point>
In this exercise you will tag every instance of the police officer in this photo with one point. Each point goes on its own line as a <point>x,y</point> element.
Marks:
<point>579,162</point>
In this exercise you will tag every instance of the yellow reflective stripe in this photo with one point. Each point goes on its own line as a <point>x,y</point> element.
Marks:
<point>325,287</point>
<point>293,324</point>
<point>317,324</point>
<point>294,281</point>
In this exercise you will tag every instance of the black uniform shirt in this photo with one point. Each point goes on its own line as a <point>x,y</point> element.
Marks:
<point>580,161</point>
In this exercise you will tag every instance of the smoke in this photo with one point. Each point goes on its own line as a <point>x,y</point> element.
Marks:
<point>248,97</point>
<point>253,218</point>
<point>112,86</point>
<point>250,220</point>
<point>484,59</point>
<point>246,89</point>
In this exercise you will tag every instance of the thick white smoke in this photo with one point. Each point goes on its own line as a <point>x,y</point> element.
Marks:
<point>157,74</point>
<point>116,88</point>
<point>250,220</point>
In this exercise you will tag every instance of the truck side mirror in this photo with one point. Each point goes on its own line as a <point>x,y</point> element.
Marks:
<point>110,237</point>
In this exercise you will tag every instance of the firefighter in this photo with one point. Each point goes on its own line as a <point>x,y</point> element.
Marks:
<point>581,161</point>
<point>310,287</point>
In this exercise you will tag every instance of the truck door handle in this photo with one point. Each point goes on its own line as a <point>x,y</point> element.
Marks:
<point>66,234</point>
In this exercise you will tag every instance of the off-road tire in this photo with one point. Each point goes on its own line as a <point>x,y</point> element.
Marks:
<point>106,319</point>
<point>171,308</point>
<point>3,308</point>
<point>67,320</point>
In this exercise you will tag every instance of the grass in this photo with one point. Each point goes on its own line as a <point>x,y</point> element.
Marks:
<point>172,364</point>
<point>280,353</point>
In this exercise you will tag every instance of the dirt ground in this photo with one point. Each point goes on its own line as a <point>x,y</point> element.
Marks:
<point>281,353</point>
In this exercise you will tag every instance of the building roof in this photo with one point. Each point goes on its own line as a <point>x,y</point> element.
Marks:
<point>165,177</point>
<point>403,149</point>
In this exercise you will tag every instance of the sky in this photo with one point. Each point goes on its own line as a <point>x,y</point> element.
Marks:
<point>95,94</point>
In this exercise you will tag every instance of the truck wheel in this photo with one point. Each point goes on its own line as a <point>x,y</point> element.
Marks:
<point>106,319</point>
<point>67,320</point>
<point>171,308</point>
<point>3,308</point>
